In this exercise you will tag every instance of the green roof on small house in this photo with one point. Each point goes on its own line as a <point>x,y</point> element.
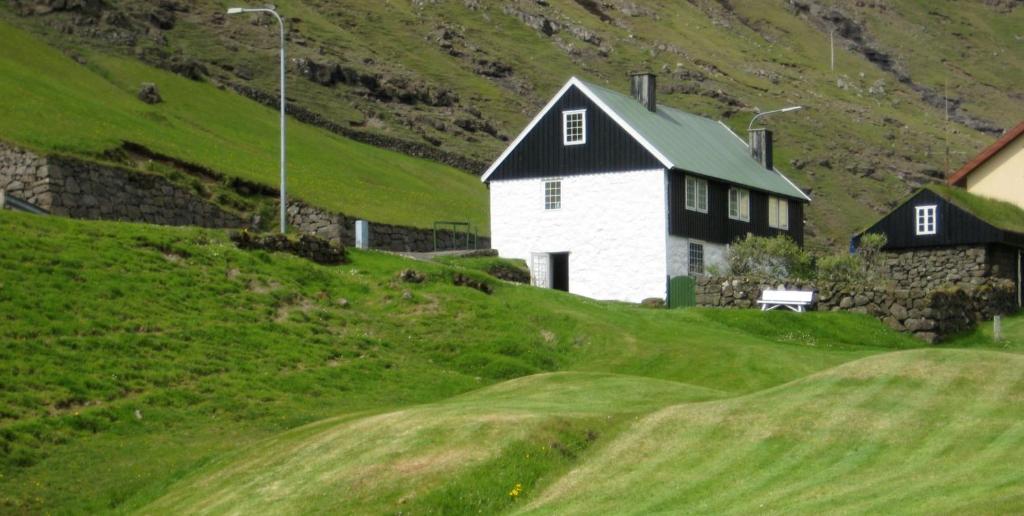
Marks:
<point>696,144</point>
<point>1000,214</point>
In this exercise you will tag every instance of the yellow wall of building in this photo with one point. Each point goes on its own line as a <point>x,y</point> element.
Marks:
<point>1002,176</point>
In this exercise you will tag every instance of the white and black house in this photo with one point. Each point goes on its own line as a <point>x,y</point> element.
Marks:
<point>608,196</point>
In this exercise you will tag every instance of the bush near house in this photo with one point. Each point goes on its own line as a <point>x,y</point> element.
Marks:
<point>780,258</point>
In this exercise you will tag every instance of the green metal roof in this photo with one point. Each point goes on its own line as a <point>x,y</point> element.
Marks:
<point>696,144</point>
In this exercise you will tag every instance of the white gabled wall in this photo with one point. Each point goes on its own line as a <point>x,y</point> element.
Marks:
<point>613,225</point>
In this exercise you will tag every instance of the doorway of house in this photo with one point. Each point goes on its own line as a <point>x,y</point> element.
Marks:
<point>560,271</point>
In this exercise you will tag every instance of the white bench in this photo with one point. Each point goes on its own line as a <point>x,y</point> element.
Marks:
<point>795,300</point>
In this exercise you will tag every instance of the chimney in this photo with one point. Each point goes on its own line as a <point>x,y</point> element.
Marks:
<point>642,86</point>
<point>761,147</point>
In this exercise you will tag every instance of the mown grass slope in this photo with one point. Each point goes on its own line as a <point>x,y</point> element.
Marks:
<point>135,355</point>
<point>922,431</point>
<point>57,105</point>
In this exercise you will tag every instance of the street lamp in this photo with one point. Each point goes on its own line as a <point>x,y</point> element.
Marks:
<point>240,10</point>
<point>783,110</point>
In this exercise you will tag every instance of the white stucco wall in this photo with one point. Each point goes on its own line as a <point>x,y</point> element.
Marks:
<point>613,225</point>
<point>678,250</point>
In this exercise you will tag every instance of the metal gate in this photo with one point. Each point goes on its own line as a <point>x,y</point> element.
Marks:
<point>682,292</point>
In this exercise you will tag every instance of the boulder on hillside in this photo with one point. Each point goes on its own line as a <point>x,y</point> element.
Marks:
<point>149,93</point>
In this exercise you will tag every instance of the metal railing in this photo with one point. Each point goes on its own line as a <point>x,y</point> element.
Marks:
<point>469,233</point>
<point>13,203</point>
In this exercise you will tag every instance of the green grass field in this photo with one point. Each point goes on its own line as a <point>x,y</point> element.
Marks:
<point>160,370</point>
<point>86,110</point>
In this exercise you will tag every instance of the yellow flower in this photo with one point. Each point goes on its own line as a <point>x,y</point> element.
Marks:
<point>516,490</point>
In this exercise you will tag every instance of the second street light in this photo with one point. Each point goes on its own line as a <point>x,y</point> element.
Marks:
<point>783,110</point>
<point>280,22</point>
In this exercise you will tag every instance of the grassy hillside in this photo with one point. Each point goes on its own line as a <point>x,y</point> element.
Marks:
<point>218,349</point>
<point>62,106</point>
<point>184,375</point>
<point>466,76</point>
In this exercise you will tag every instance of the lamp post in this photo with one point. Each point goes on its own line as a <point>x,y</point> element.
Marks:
<point>783,110</point>
<point>280,22</point>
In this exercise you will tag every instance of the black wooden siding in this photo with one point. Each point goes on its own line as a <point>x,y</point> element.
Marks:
<point>541,153</point>
<point>954,226</point>
<point>715,225</point>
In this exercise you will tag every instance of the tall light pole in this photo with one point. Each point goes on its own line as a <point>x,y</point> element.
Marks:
<point>280,22</point>
<point>783,110</point>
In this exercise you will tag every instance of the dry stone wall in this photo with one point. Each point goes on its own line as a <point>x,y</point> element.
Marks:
<point>340,228</point>
<point>932,268</point>
<point>83,189</point>
<point>25,175</point>
<point>927,313</point>
<point>86,190</point>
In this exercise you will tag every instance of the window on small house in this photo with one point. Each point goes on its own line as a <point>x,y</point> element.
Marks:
<point>552,194</point>
<point>696,259</point>
<point>925,220</point>
<point>739,204</point>
<point>778,213</point>
<point>574,127</point>
<point>696,194</point>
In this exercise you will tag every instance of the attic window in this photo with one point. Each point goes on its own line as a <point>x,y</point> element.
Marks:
<point>574,127</point>
<point>925,220</point>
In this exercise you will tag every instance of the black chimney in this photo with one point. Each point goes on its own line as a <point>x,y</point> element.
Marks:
<point>643,86</point>
<point>761,147</point>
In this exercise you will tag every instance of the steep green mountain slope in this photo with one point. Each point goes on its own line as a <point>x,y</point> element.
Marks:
<point>57,105</point>
<point>463,76</point>
<point>133,356</point>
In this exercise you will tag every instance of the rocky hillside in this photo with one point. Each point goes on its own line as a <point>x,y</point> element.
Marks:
<point>455,80</point>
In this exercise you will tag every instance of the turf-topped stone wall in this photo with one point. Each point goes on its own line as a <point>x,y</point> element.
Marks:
<point>340,228</point>
<point>83,189</point>
<point>86,190</point>
<point>929,314</point>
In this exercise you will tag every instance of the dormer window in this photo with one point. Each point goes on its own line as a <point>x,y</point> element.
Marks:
<point>574,127</point>
<point>925,220</point>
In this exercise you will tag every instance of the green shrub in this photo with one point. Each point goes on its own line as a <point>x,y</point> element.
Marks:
<point>774,258</point>
<point>861,266</point>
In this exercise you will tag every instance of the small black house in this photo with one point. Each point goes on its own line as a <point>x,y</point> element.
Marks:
<point>945,235</point>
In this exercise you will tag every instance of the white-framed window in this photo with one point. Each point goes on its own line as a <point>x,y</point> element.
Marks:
<point>696,262</point>
<point>925,219</point>
<point>574,127</point>
<point>778,212</point>
<point>552,194</point>
<point>739,204</point>
<point>696,194</point>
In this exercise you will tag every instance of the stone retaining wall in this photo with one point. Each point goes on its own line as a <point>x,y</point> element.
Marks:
<point>340,228</point>
<point>927,313</point>
<point>83,189</point>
